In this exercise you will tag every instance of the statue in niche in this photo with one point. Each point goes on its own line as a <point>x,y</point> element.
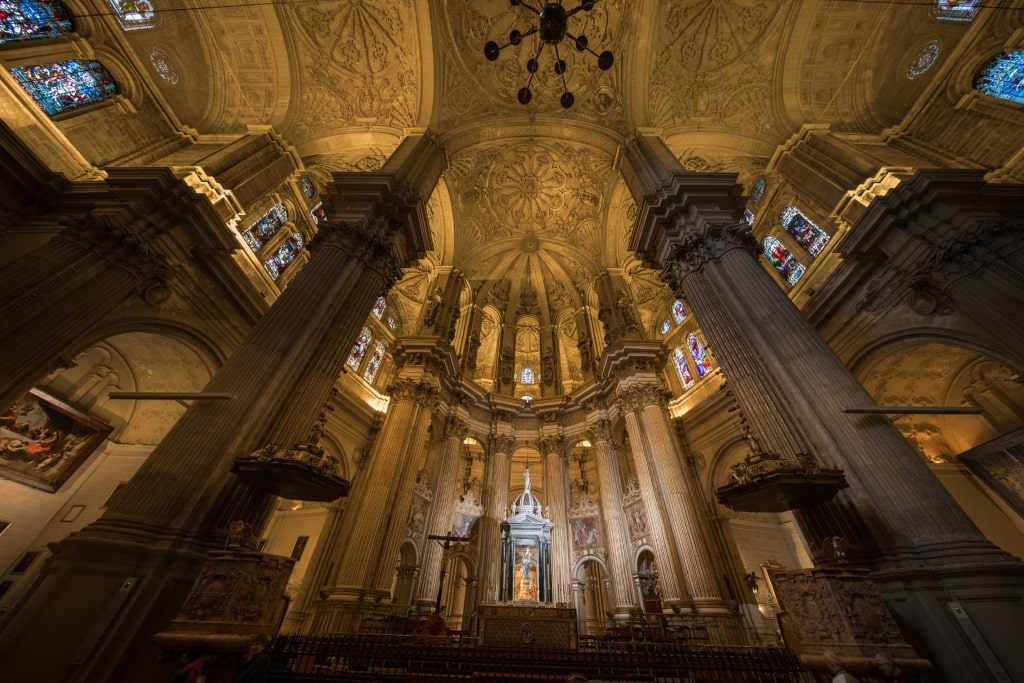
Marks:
<point>433,304</point>
<point>473,348</point>
<point>626,309</point>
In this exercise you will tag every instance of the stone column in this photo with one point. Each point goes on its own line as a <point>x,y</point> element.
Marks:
<point>54,294</point>
<point>672,589</point>
<point>617,543</point>
<point>442,509</point>
<point>152,539</point>
<point>495,509</point>
<point>691,225</point>
<point>650,403</point>
<point>556,501</point>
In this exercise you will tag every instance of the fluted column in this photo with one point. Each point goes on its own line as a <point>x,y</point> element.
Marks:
<point>442,509</point>
<point>687,531</point>
<point>51,296</point>
<point>496,508</point>
<point>555,499</point>
<point>672,590</point>
<point>617,543</point>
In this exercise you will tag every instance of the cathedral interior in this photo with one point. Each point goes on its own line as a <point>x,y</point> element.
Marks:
<point>313,328</point>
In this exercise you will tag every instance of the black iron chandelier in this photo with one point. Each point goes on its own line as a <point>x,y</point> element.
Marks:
<point>553,27</point>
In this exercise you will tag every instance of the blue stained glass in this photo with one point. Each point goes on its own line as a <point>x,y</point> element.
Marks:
<point>308,188</point>
<point>1003,77</point>
<point>666,325</point>
<point>257,234</point>
<point>63,86</point>
<point>678,311</point>
<point>683,368</point>
<point>749,217</point>
<point>373,365</point>
<point>378,308</point>
<point>757,191</point>
<point>527,375</point>
<point>286,253</point>
<point>956,10</point>
<point>783,261</point>
<point>807,234</point>
<point>28,20</point>
<point>699,354</point>
<point>359,350</point>
<point>134,14</point>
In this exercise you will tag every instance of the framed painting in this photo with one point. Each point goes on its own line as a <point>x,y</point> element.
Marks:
<point>43,440</point>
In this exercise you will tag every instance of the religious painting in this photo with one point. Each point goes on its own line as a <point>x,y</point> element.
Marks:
<point>1003,472</point>
<point>636,518</point>
<point>586,532</point>
<point>43,441</point>
<point>418,515</point>
<point>525,579</point>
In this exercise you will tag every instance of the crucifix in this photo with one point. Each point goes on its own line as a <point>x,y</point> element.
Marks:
<point>446,543</point>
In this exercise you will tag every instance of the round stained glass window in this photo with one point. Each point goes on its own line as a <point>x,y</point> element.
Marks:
<point>162,63</point>
<point>925,59</point>
<point>665,326</point>
<point>308,188</point>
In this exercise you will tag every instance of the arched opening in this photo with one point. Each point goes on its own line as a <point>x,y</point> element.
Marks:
<point>592,598</point>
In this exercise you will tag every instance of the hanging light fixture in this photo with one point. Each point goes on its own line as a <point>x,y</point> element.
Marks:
<point>553,27</point>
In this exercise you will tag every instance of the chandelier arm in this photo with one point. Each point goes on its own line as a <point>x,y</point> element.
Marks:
<point>530,7</point>
<point>558,57</point>
<point>576,9</point>
<point>586,49</point>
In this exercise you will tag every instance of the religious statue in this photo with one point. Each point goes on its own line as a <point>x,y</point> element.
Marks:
<point>527,558</point>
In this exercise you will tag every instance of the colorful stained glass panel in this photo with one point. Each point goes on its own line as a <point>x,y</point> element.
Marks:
<point>134,14</point>
<point>379,306</point>
<point>1003,77</point>
<point>359,350</point>
<point>783,261</point>
<point>308,188</point>
<point>62,86</point>
<point>925,59</point>
<point>678,311</point>
<point>807,234</point>
<point>162,63</point>
<point>757,191</point>
<point>699,354</point>
<point>28,20</point>
<point>683,368</point>
<point>284,256</point>
<point>956,10</point>
<point>373,365</point>
<point>257,234</point>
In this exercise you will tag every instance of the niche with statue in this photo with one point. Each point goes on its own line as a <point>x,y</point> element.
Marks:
<point>526,552</point>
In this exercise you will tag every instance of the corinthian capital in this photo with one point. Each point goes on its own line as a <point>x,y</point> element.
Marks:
<point>455,428</point>
<point>600,431</point>
<point>372,247</point>
<point>417,392</point>
<point>640,397</point>
<point>696,248</point>
<point>552,445</point>
<point>501,443</point>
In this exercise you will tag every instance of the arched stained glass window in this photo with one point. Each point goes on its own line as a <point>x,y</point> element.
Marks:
<point>392,323</point>
<point>666,325</point>
<point>373,365</point>
<point>359,350</point>
<point>285,254</point>
<point>783,261</point>
<point>678,311</point>
<point>318,213</point>
<point>683,368</point>
<point>956,10</point>
<point>807,234</point>
<point>757,191</point>
<point>526,377</point>
<point>749,216</point>
<point>63,86</point>
<point>28,19</point>
<point>1003,77</point>
<point>308,188</point>
<point>257,234</point>
<point>379,306</point>
<point>924,60</point>
<point>699,354</point>
<point>134,14</point>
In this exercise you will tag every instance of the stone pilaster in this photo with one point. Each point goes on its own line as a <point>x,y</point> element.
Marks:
<point>496,485</point>
<point>556,502</point>
<point>443,508</point>
<point>617,541</point>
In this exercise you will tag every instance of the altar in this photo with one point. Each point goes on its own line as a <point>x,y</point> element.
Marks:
<point>520,626</point>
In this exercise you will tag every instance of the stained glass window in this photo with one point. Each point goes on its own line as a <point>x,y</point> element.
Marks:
<point>257,234</point>
<point>162,63</point>
<point>379,306</point>
<point>666,325</point>
<point>783,261</point>
<point>308,188</point>
<point>373,365</point>
<point>956,10</point>
<point>318,213</point>
<point>807,234</point>
<point>678,311</point>
<point>683,368</point>
<point>392,323</point>
<point>757,191</point>
<point>699,354</point>
<point>924,59</point>
<point>63,86</point>
<point>134,14</point>
<point>749,217</point>
<point>1003,77</point>
<point>527,375</point>
<point>27,20</point>
<point>359,350</point>
<point>285,254</point>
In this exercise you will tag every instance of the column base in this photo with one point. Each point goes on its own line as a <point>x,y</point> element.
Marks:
<point>344,609</point>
